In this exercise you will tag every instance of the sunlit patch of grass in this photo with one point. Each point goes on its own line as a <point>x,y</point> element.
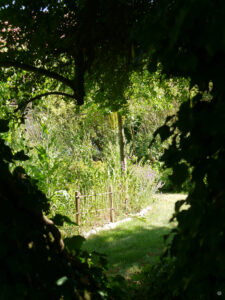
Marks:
<point>132,245</point>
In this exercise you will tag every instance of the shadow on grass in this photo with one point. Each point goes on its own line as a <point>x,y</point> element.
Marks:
<point>128,250</point>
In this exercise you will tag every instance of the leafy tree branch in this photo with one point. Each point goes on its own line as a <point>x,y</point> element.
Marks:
<point>43,95</point>
<point>39,71</point>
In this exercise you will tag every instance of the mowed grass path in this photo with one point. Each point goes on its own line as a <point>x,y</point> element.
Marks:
<point>133,244</point>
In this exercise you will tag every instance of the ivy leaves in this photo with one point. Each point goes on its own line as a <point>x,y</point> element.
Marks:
<point>197,149</point>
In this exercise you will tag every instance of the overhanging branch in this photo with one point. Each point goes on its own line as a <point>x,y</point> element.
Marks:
<point>40,71</point>
<point>44,95</point>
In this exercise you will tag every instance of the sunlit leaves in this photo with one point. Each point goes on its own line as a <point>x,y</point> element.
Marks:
<point>61,280</point>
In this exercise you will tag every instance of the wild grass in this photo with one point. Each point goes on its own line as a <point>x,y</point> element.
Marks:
<point>130,194</point>
<point>137,243</point>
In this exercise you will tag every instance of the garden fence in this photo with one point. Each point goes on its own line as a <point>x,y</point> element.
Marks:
<point>97,209</point>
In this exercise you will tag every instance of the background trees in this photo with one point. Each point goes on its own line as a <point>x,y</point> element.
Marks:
<point>66,42</point>
<point>70,150</point>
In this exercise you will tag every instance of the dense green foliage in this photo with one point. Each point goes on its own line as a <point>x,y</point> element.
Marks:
<point>195,49</point>
<point>34,262</point>
<point>65,43</point>
<point>70,151</point>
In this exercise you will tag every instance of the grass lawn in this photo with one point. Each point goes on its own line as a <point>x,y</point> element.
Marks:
<point>138,242</point>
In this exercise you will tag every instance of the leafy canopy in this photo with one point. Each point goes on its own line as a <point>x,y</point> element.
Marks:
<point>69,43</point>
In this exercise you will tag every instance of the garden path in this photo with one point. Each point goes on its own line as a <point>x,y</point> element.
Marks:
<point>137,240</point>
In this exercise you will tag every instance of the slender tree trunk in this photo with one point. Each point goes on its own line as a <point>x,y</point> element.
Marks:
<point>121,143</point>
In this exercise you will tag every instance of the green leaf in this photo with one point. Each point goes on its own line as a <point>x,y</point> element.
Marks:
<point>164,132</point>
<point>60,219</point>
<point>180,174</point>
<point>178,204</point>
<point>19,170</point>
<point>74,243</point>
<point>61,280</point>
<point>20,156</point>
<point>4,125</point>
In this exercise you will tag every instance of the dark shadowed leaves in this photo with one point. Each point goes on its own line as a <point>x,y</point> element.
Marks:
<point>74,243</point>
<point>180,174</point>
<point>20,156</point>
<point>19,170</point>
<point>60,219</point>
<point>178,204</point>
<point>164,132</point>
<point>4,125</point>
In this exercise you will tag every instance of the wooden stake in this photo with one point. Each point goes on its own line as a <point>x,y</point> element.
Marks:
<point>126,197</point>
<point>122,143</point>
<point>111,204</point>
<point>77,198</point>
